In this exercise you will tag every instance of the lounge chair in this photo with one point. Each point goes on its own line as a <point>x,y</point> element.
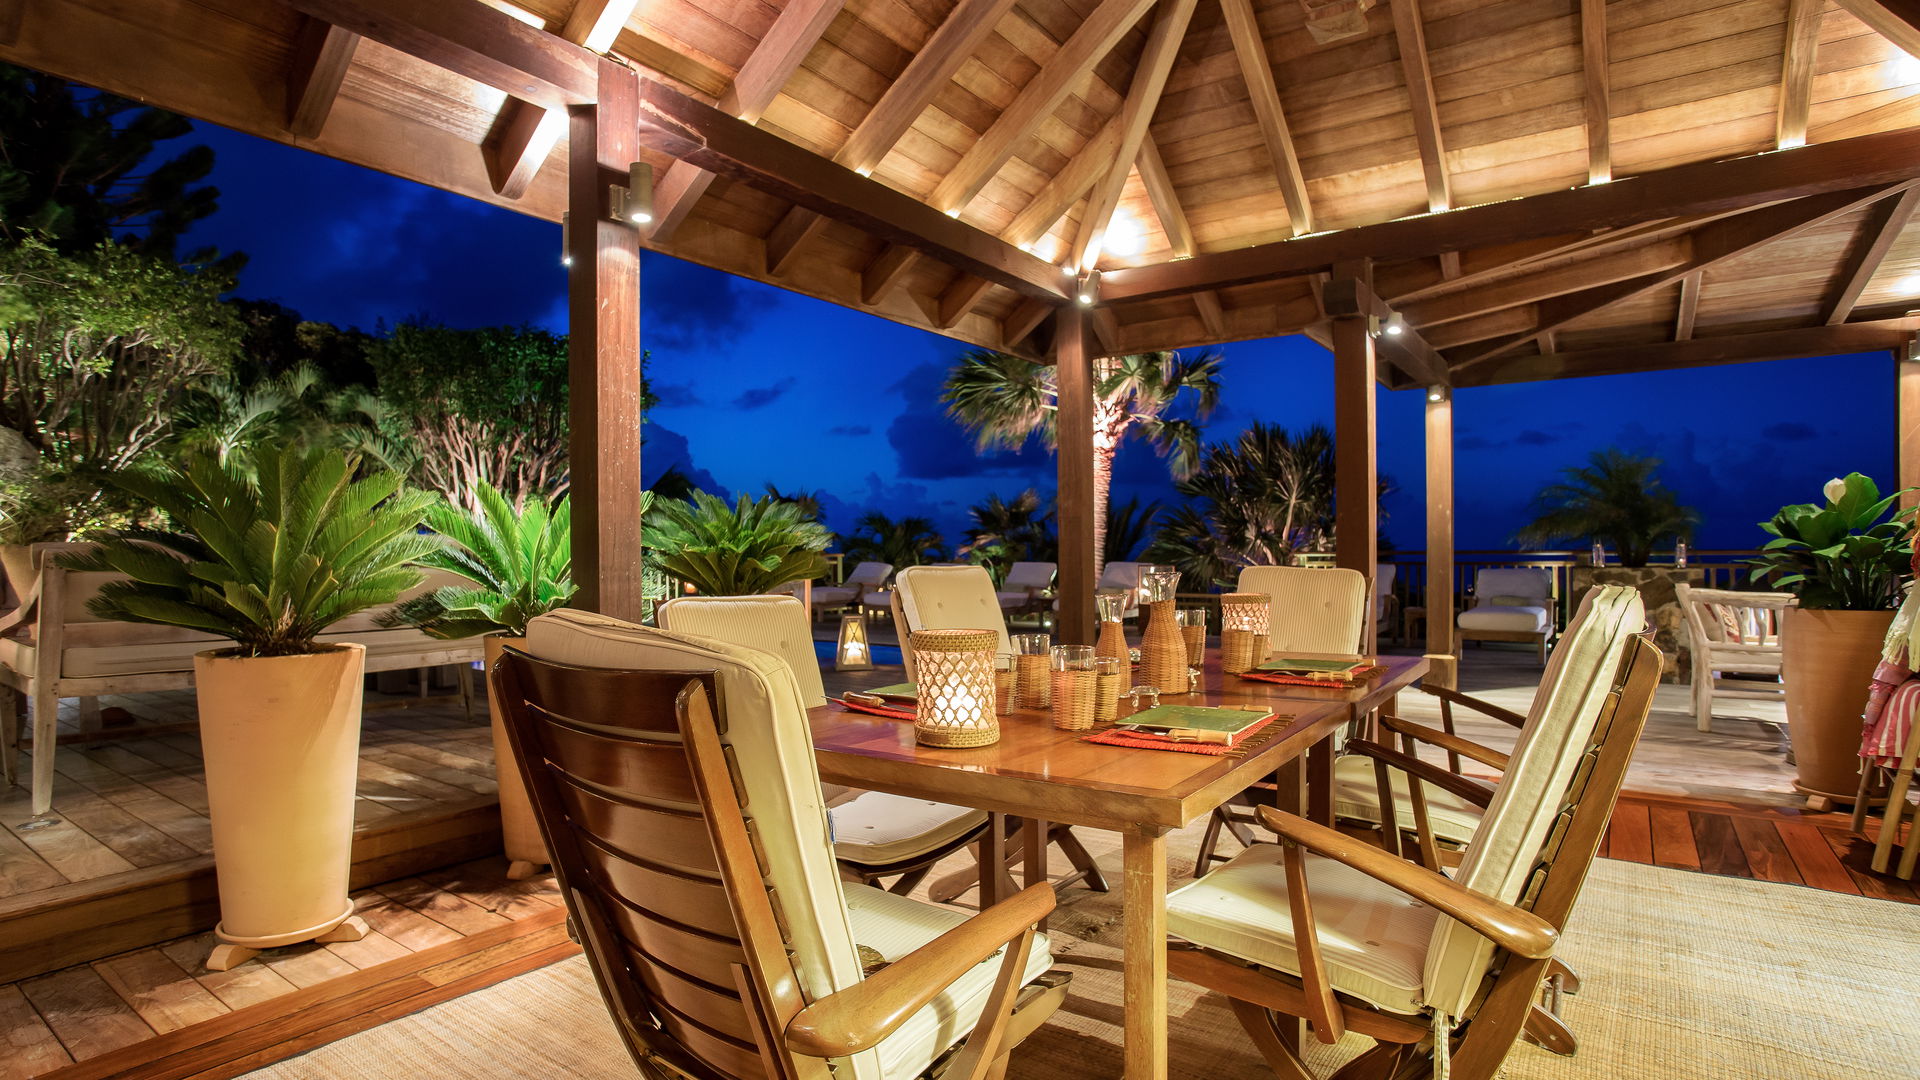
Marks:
<point>1025,581</point>
<point>866,577</point>
<point>1733,633</point>
<point>1510,604</point>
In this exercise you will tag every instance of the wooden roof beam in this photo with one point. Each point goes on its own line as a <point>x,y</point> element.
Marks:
<point>1711,245</point>
<point>472,39</point>
<point>1896,20</point>
<point>523,135</point>
<point>321,55</point>
<point>1410,33</point>
<point>1598,81</point>
<point>1603,268</point>
<point>1022,321</point>
<point>772,62</point>
<point>1136,112</point>
<point>1884,335</point>
<point>1406,351</point>
<point>1703,188</point>
<point>1250,49</point>
<point>1689,306</point>
<point>1166,201</point>
<point>1882,227</point>
<point>1058,75</point>
<point>1796,73</point>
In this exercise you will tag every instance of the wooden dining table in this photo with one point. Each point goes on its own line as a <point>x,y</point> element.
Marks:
<point>1040,773</point>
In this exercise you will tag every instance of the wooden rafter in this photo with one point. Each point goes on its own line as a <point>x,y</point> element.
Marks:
<point>1023,320</point>
<point>321,56</point>
<point>472,39</point>
<point>13,14</point>
<point>1096,36</point>
<point>1166,201</point>
<point>883,273</point>
<point>523,135</point>
<point>1689,306</point>
<point>1703,188</point>
<point>1410,34</point>
<point>1881,228</point>
<point>1889,334</point>
<point>1896,20</point>
<point>1250,49</point>
<point>761,78</point>
<point>1710,245</point>
<point>1406,352</point>
<point>1602,268</point>
<point>1796,73</point>
<point>1598,83</point>
<point>1212,317</point>
<point>1899,113</point>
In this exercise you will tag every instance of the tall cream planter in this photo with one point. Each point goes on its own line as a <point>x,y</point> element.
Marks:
<point>281,739</point>
<point>519,833</point>
<point>1826,664</point>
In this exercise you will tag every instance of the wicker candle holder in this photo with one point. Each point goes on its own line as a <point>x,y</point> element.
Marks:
<point>954,674</point>
<point>1243,631</point>
<point>1074,686</point>
<point>1163,648</point>
<point>1031,686</point>
<point>1003,683</point>
<point>1193,627</point>
<point>1112,605</point>
<point>1109,682</point>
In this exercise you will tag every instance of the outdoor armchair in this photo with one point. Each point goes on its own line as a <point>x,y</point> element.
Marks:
<point>876,835</point>
<point>1513,603</point>
<point>1733,633</point>
<point>866,577</point>
<point>674,780</point>
<point>1024,583</point>
<point>1435,968</point>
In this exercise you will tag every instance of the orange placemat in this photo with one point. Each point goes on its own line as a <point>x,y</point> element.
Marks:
<point>887,711</point>
<point>1300,680</point>
<point>1141,741</point>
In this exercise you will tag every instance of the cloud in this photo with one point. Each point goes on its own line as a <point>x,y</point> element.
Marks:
<point>1789,431</point>
<point>930,445</point>
<point>1530,437</point>
<point>675,395</point>
<point>665,448</point>
<point>689,307</point>
<point>759,397</point>
<point>850,429</point>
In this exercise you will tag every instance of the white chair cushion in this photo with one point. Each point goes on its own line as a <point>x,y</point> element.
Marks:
<point>1022,576</point>
<point>1014,599</point>
<point>897,925</point>
<point>1311,610</point>
<point>1356,797</point>
<point>950,598</point>
<point>827,596</point>
<point>1514,581</point>
<point>875,828</point>
<point>1373,937</point>
<point>878,599</point>
<point>775,624</point>
<point>1526,620</point>
<point>870,574</point>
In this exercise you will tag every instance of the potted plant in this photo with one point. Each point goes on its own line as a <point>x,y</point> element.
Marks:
<point>739,550</point>
<point>521,565</point>
<point>1845,559</point>
<point>270,558</point>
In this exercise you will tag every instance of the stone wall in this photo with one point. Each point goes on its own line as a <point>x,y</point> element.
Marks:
<point>1656,585</point>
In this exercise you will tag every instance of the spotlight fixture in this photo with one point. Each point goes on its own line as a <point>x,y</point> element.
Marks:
<point>1912,351</point>
<point>1436,392</point>
<point>1396,325</point>
<point>634,202</point>
<point>1089,288</point>
<point>566,238</point>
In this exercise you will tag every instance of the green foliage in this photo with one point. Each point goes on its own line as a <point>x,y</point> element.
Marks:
<point>739,550</point>
<point>269,560</point>
<point>520,563</point>
<point>1127,527</point>
<point>1847,553</point>
<point>1007,531</point>
<point>1257,501</point>
<point>233,421</point>
<point>909,541</point>
<point>1616,499</point>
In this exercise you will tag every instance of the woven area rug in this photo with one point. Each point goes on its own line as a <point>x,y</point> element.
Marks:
<point>1687,975</point>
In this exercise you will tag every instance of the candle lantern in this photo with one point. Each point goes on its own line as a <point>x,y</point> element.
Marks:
<point>954,677</point>
<point>1112,642</point>
<point>1074,683</point>
<point>1031,687</point>
<point>1243,631</point>
<point>1163,649</point>
<point>854,652</point>
<point>1193,627</point>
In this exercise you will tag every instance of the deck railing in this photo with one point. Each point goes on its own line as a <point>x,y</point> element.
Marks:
<point>1720,569</point>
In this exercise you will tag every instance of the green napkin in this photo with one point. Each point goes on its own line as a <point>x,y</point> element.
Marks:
<point>1285,663</point>
<point>1196,718</point>
<point>905,691</point>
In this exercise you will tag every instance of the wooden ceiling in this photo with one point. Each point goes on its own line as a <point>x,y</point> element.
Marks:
<point>1540,188</point>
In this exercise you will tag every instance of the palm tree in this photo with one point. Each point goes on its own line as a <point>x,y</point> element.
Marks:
<point>909,541</point>
<point>1007,531</point>
<point>1260,499</point>
<point>1127,527</point>
<point>1615,499</point>
<point>1007,399</point>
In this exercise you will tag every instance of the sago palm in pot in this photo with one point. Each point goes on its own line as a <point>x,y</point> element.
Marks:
<point>271,557</point>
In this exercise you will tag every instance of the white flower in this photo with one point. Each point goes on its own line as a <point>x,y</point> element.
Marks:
<point>1835,490</point>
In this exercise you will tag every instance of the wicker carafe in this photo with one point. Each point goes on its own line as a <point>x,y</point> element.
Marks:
<point>1163,650</point>
<point>1113,637</point>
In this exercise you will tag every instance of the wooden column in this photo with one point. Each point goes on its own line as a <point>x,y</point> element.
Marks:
<point>603,383</point>
<point>1440,640</point>
<point>1073,358</point>
<point>1906,426</point>
<point>1356,481</point>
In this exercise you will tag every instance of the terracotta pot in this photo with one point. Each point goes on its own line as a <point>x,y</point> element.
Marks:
<point>1827,662</point>
<point>281,739</point>
<point>16,560</point>
<point>519,833</point>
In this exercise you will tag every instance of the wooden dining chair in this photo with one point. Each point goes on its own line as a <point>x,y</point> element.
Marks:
<point>674,781</point>
<point>1441,971</point>
<point>877,836</point>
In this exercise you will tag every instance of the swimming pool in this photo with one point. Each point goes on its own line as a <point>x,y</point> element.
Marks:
<point>882,654</point>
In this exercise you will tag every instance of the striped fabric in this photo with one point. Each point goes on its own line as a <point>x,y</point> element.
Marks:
<point>1885,736</point>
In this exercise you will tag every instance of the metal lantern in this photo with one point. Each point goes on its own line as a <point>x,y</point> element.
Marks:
<point>854,652</point>
<point>1243,631</point>
<point>954,677</point>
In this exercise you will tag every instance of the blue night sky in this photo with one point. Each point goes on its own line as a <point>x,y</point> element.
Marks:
<point>759,385</point>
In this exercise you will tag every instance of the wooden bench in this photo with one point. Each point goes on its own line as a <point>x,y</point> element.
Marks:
<point>52,647</point>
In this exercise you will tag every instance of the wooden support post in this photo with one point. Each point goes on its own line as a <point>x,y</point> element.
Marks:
<point>1907,426</point>
<point>603,382</point>
<point>1440,640</point>
<point>1073,360</point>
<point>1356,481</point>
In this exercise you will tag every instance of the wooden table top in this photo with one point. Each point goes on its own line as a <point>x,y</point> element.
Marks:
<point>1038,771</point>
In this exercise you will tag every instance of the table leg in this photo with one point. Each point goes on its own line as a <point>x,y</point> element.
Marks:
<point>1290,788</point>
<point>993,860</point>
<point>1144,906</point>
<point>1320,782</point>
<point>1033,839</point>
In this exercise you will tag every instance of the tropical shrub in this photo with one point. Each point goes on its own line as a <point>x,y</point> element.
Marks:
<point>908,541</point>
<point>520,563</point>
<point>1615,499</point>
<point>1007,531</point>
<point>1848,553</point>
<point>268,557</point>
<point>1255,501</point>
<point>739,550</point>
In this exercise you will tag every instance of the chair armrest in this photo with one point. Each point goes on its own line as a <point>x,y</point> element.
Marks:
<point>1466,748</point>
<point>1515,929</point>
<point>23,614</point>
<point>1485,708</point>
<point>1474,791</point>
<point>851,1020</point>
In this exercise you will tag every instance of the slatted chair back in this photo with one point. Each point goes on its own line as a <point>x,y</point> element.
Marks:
<point>945,598</point>
<point>1313,609</point>
<point>773,624</point>
<point>1741,629</point>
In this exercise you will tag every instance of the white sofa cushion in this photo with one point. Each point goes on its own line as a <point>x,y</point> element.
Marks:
<point>875,828</point>
<point>1022,576</point>
<point>1373,937</point>
<point>950,598</point>
<point>1525,620</point>
<point>775,624</point>
<point>1311,610</point>
<point>1356,797</point>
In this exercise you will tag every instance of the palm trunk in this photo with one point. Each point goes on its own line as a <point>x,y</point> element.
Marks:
<point>1102,487</point>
